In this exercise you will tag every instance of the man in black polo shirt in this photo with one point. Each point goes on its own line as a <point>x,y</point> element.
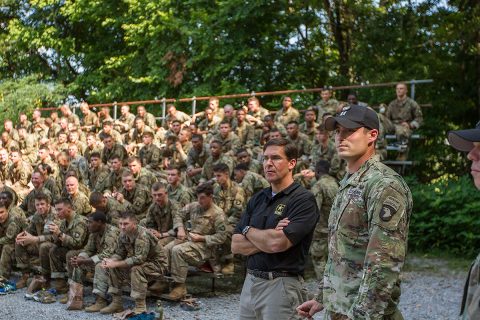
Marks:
<point>275,233</point>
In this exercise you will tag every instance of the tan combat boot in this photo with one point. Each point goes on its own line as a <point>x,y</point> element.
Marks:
<point>100,303</point>
<point>114,307</point>
<point>159,287</point>
<point>22,282</point>
<point>228,268</point>
<point>60,285</point>
<point>178,292</point>
<point>140,306</point>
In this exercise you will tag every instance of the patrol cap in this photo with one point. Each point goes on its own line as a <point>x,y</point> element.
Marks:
<point>353,117</point>
<point>463,140</point>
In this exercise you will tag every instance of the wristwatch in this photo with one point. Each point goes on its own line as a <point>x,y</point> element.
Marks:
<point>245,230</point>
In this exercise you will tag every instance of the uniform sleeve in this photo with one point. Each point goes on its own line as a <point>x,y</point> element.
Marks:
<point>13,229</point>
<point>76,236</point>
<point>417,116</point>
<point>388,212</point>
<point>220,235</point>
<point>182,215</point>
<point>303,214</point>
<point>149,221</point>
<point>90,248</point>
<point>237,207</point>
<point>109,246</point>
<point>142,248</point>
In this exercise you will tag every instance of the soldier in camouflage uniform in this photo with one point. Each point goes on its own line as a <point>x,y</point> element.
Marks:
<point>141,175</point>
<point>216,156</point>
<point>324,190</point>
<point>176,190</point>
<point>134,139</point>
<point>150,155</point>
<point>468,140</point>
<point>147,117</point>
<point>368,228</point>
<point>108,205</point>
<point>309,127</point>
<point>287,113</point>
<point>112,149</point>
<point>97,172</point>
<point>71,234</point>
<point>196,158</point>
<point>113,181</point>
<point>135,197</point>
<point>27,243</point>
<point>89,119</point>
<point>229,197</point>
<point>251,182</point>
<point>4,164</point>
<point>101,244</point>
<point>10,226</point>
<point>252,164</point>
<point>139,258</point>
<point>79,200</point>
<point>230,141</point>
<point>160,214</point>
<point>28,204</point>
<point>19,174</point>
<point>244,130</point>
<point>93,146</point>
<point>208,229</point>
<point>326,105</point>
<point>28,145</point>
<point>78,163</point>
<point>125,122</point>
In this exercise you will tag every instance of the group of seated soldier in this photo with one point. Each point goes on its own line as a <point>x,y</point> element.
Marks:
<point>127,200</point>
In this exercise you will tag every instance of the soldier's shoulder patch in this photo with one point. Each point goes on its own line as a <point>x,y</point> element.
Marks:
<point>221,227</point>
<point>386,213</point>
<point>76,235</point>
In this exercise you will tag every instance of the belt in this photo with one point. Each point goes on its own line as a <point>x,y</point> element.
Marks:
<point>271,275</point>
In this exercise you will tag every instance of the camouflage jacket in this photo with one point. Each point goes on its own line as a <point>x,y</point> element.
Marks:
<point>140,248</point>
<point>117,150</point>
<point>138,200</point>
<point>406,110</point>
<point>197,159</point>
<point>210,223</point>
<point>145,177</point>
<point>284,117</point>
<point>28,204</point>
<point>10,229</point>
<point>81,203</point>
<point>76,233</point>
<point>151,157</point>
<point>37,224</point>
<point>230,144</point>
<point>20,176</point>
<point>470,308</point>
<point>97,176</point>
<point>207,172</point>
<point>161,218</point>
<point>368,229</point>
<point>245,132</point>
<point>231,200</point>
<point>181,194</point>
<point>252,183</point>
<point>324,190</point>
<point>102,245</point>
<point>112,182</point>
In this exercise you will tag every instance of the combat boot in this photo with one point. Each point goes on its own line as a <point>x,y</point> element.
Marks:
<point>22,282</point>
<point>140,306</point>
<point>60,285</point>
<point>63,299</point>
<point>115,306</point>
<point>178,292</point>
<point>228,268</point>
<point>159,287</point>
<point>100,303</point>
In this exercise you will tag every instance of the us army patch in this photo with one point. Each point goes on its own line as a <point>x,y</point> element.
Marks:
<point>279,209</point>
<point>76,235</point>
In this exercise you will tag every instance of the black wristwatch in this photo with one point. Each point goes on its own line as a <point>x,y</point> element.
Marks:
<point>245,230</point>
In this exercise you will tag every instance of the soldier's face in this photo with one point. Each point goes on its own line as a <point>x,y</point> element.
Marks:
<point>173,177</point>
<point>116,165</point>
<point>474,156</point>
<point>243,157</point>
<point>72,151</point>
<point>128,183</point>
<point>90,141</point>
<point>134,167</point>
<point>352,144</point>
<point>401,90</point>
<point>276,165</point>
<point>141,111</point>
<point>94,162</point>
<point>15,157</point>
<point>197,144</point>
<point>4,200</point>
<point>224,130</point>
<point>238,175</point>
<point>326,95</point>
<point>37,179</point>
<point>287,102</point>
<point>4,156</point>
<point>292,130</point>
<point>221,177</point>
<point>176,127</point>
<point>310,116</point>
<point>3,215</point>
<point>108,142</point>
<point>42,207</point>
<point>124,110</point>
<point>352,99</point>
<point>228,112</point>
<point>215,149</point>
<point>62,210</point>
<point>204,200</point>
<point>160,196</point>
<point>147,140</point>
<point>71,185</point>
<point>127,226</point>
<point>240,115</point>
<point>62,138</point>
<point>252,106</point>
<point>94,226</point>
<point>209,114</point>
<point>275,135</point>
<point>322,136</point>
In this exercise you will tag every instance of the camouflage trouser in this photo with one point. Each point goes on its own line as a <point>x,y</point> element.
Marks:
<point>100,278</point>
<point>184,254</point>
<point>23,255</point>
<point>7,257</point>
<point>397,315</point>
<point>139,277</point>
<point>53,259</point>
<point>319,254</point>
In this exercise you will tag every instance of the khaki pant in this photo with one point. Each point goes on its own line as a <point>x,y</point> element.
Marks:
<point>139,277</point>
<point>184,254</point>
<point>53,260</point>
<point>23,255</point>
<point>100,278</point>
<point>275,299</point>
<point>7,256</point>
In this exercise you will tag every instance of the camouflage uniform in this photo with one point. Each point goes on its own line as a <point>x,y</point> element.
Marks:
<point>81,203</point>
<point>20,177</point>
<point>97,176</point>
<point>470,308</point>
<point>230,144</point>
<point>210,223</point>
<point>145,177</point>
<point>4,170</point>
<point>207,172</point>
<point>252,183</point>
<point>53,251</point>
<point>406,110</point>
<point>145,258</point>
<point>29,147</point>
<point>324,190</point>
<point>8,232</point>
<point>231,200</point>
<point>88,151</point>
<point>116,136</point>
<point>117,150</point>
<point>149,120</point>
<point>259,115</point>
<point>28,204</point>
<point>80,166</point>
<point>246,134</point>
<point>112,183</point>
<point>326,107</point>
<point>161,219</point>
<point>181,194</point>
<point>89,121</point>
<point>150,157</point>
<point>99,246</point>
<point>303,144</point>
<point>196,160</point>
<point>337,165</point>
<point>284,117</point>
<point>113,209</point>
<point>36,228</point>
<point>368,228</point>
<point>309,131</point>
<point>51,185</point>
<point>138,200</point>
<point>124,123</point>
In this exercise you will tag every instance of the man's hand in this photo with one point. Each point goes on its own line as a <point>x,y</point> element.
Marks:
<point>282,224</point>
<point>109,263</point>
<point>78,261</point>
<point>118,196</point>
<point>54,229</point>
<point>24,239</point>
<point>309,308</point>
<point>195,237</point>
<point>181,235</point>
<point>155,233</point>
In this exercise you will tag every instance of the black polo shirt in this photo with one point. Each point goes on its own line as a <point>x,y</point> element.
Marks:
<point>264,212</point>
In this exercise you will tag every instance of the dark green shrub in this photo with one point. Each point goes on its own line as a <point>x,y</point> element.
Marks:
<point>446,217</point>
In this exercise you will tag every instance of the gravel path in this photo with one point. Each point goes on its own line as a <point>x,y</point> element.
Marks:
<point>427,293</point>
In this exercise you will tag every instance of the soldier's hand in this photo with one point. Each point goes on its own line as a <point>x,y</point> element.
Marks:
<point>309,308</point>
<point>282,224</point>
<point>74,261</point>
<point>181,235</point>
<point>196,237</point>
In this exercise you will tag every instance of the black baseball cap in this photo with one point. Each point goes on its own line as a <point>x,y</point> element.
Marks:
<point>463,140</point>
<point>353,117</point>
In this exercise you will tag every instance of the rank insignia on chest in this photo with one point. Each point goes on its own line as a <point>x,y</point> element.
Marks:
<point>279,209</point>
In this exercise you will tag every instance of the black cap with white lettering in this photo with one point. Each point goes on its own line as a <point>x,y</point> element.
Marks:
<point>353,117</point>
